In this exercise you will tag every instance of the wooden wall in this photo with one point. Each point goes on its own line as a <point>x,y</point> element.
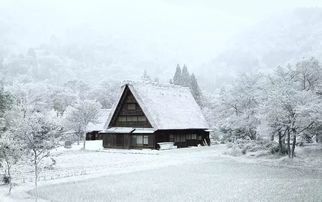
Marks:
<point>182,138</point>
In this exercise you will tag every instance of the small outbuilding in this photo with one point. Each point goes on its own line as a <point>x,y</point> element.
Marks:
<point>148,113</point>
<point>94,129</point>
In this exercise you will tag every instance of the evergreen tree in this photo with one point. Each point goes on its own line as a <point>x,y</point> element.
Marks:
<point>195,90</point>
<point>185,77</point>
<point>177,78</point>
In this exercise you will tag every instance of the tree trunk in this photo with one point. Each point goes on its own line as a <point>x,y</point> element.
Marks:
<point>293,145</point>
<point>288,143</point>
<point>280,142</point>
<point>78,138</point>
<point>9,175</point>
<point>84,140</point>
<point>36,177</point>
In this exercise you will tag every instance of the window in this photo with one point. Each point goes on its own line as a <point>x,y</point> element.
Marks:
<point>141,118</point>
<point>180,138</point>
<point>188,136</point>
<point>183,138</point>
<point>134,139</point>
<point>119,140</point>
<point>194,136</point>
<point>171,138</point>
<point>139,140</point>
<point>130,98</point>
<point>132,118</point>
<point>122,119</point>
<point>145,140</point>
<point>131,106</point>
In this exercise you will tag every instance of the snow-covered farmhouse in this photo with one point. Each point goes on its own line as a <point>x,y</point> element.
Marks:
<point>147,114</point>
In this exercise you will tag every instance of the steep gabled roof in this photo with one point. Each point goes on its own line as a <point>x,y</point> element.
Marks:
<point>165,106</point>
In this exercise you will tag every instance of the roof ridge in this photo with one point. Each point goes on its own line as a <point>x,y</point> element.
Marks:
<point>153,83</point>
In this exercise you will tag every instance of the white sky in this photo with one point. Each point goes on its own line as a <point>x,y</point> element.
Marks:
<point>203,25</point>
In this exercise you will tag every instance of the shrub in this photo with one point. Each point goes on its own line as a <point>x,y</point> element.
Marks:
<point>5,179</point>
<point>230,145</point>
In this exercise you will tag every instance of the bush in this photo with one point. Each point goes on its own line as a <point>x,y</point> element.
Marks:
<point>235,151</point>
<point>230,145</point>
<point>5,179</point>
<point>245,146</point>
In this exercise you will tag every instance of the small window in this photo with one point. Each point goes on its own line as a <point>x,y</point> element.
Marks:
<point>134,139</point>
<point>171,138</point>
<point>188,136</point>
<point>122,119</point>
<point>119,140</point>
<point>179,138</point>
<point>194,136</point>
<point>145,140</point>
<point>132,118</point>
<point>139,140</point>
<point>141,118</point>
<point>131,107</point>
<point>183,138</point>
<point>130,98</point>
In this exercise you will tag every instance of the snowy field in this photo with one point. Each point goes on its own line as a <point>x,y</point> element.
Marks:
<point>192,174</point>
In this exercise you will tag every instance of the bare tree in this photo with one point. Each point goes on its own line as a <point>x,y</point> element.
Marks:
<point>81,114</point>
<point>38,134</point>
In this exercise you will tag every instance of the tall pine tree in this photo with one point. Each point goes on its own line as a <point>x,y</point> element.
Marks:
<point>177,78</point>
<point>185,77</point>
<point>194,87</point>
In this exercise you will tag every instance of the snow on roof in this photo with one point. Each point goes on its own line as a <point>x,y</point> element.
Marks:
<point>143,130</point>
<point>99,125</point>
<point>167,106</point>
<point>119,130</point>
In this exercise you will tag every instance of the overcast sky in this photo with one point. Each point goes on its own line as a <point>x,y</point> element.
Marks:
<point>204,25</point>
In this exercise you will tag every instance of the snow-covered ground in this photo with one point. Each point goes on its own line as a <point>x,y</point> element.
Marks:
<point>192,174</point>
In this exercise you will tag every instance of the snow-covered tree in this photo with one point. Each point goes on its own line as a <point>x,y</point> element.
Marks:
<point>195,90</point>
<point>290,109</point>
<point>185,77</point>
<point>38,133</point>
<point>177,78</point>
<point>10,150</point>
<point>308,73</point>
<point>10,154</point>
<point>237,109</point>
<point>78,116</point>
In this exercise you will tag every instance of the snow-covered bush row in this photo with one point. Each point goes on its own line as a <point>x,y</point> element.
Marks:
<point>242,147</point>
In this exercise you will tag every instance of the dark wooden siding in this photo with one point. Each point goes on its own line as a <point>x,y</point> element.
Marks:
<point>181,138</point>
<point>128,113</point>
<point>94,135</point>
<point>119,141</point>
